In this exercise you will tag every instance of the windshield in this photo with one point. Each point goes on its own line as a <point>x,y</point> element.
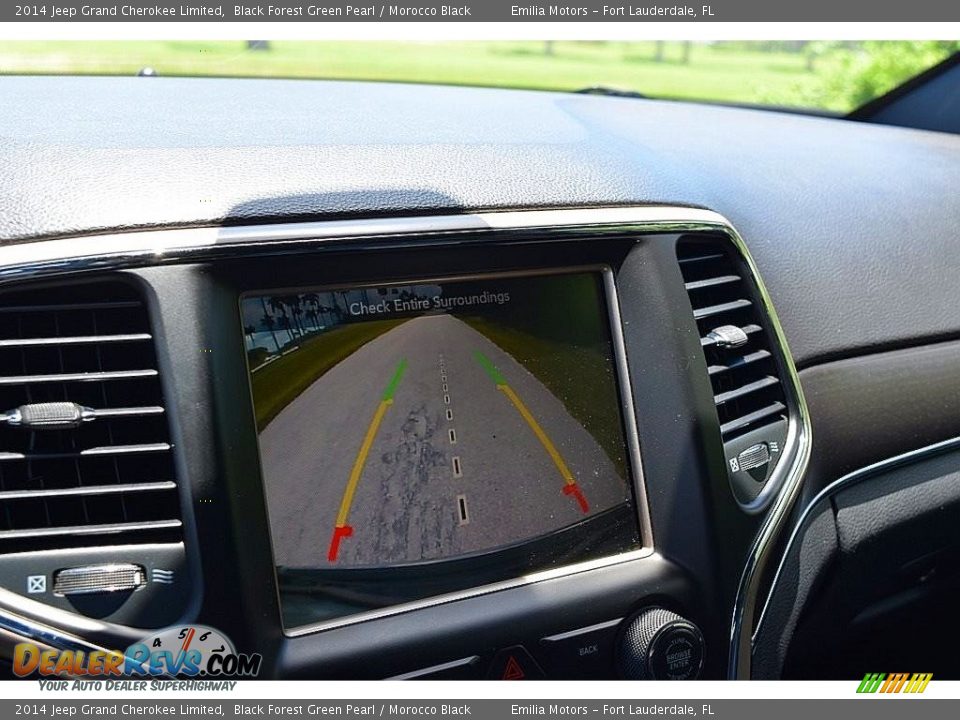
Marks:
<point>814,75</point>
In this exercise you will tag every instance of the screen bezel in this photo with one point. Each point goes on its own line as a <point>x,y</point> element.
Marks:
<point>628,424</point>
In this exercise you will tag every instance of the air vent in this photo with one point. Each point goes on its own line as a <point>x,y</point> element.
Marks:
<point>85,454</point>
<point>747,385</point>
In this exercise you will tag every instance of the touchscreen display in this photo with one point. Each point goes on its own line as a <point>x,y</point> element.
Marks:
<point>426,438</point>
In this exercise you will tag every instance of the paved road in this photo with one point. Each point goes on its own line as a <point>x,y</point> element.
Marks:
<point>449,435</point>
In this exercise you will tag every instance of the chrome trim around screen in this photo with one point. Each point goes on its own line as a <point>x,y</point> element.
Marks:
<point>113,251</point>
<point>630,437</point>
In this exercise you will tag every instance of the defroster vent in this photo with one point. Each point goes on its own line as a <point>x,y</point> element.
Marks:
<point>748,388</point>
<point>85,453</point>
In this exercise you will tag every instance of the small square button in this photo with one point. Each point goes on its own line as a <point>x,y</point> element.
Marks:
<point>36,584</point>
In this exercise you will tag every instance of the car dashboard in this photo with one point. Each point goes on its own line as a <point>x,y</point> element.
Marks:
<point>388,381</point>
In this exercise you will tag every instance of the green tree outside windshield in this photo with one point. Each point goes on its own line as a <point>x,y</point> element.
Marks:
<point>832,76</point>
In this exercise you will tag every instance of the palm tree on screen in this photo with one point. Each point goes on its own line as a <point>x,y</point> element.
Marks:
<point>278,305</point>
<point>295,303</point>
<point>313,302</point>
<point>269,323</point>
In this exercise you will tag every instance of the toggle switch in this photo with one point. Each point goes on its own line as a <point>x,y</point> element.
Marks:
<point>754,456</point>
<point>90,579</point>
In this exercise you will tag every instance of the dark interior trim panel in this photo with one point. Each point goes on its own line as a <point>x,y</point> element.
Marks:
<point>883,522</point>
<point>876,406</point>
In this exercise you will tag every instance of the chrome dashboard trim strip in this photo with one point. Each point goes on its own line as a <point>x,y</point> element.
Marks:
<point>31,631</point>
<point>847,480</point>
<point>111,251</point>
<point>785,483</point>
<point>147,247</point>
<point>474,592</point>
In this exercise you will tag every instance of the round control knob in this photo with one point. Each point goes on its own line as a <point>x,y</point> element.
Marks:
<point>657,644</point>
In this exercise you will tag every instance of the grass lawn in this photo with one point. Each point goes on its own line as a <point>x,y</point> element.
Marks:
<point>713,72</point>
<point>581,378</point>
<point>278,384</point>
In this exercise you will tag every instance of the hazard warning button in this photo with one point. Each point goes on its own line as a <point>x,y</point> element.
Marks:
<point>514,663</point>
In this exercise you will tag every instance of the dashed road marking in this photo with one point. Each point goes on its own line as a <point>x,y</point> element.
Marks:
<point>462,508</point>
<point>445,387</point>
<point>457,468</point>
<point>453,436</point>
<point>446,399</point>
<point>449,414</point>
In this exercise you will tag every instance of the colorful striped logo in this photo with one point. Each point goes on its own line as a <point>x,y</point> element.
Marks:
<point>894,682</point>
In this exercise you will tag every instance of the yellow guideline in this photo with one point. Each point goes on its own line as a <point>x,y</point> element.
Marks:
<point>341,528</point>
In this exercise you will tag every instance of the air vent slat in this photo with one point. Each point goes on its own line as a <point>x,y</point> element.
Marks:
<point>104,529</point>
<point>741,364</point>
<point>78,340</point>
<point>102,376</point>
<point>90,452</point>
<point>128,412</point>
<point>713,310</point>
<point>712,282</point>
<point>127,449</point>
<point>706,257</point>
<point>90,490</point>
<point>85,451</point>
<point>754,417</point>
<point>744,390</point>
<point>119,305</point>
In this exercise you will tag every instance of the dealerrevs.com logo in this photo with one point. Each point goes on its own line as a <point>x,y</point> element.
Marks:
<point>887,683</point>
<point>191,651</point>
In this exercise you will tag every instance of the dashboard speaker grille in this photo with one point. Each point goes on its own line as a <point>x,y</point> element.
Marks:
<point>747,387</point>
<point>85,453</point>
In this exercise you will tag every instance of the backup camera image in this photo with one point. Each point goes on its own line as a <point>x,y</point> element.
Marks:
<point>471,416</point>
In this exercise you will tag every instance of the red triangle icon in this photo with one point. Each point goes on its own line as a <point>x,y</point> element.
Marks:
<point>513,671</point>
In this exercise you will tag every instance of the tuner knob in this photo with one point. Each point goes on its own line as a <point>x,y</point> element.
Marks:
<point>657,644</point>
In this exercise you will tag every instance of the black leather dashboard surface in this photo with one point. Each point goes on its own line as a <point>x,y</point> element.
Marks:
<point>854,226</point>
